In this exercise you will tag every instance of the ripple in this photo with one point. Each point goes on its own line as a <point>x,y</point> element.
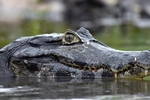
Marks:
<point>121,97</point>
<point>19,91</point>
<point>109,97</point>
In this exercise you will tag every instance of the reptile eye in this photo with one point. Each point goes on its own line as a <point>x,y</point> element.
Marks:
<point>69,38</point>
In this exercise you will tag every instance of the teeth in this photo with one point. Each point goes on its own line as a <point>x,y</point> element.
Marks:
<point>25,61</point>
<point>90,69</point>
<point>116,75</point>
<point>45,69</point>
<point>95,69</point>
<point>73,75</point>
<point>146,72</point>
<point>135,59</point>
<point>85,68</point>
<point>127,73</point>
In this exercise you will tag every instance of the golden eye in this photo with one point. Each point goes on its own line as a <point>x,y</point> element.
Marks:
<point>69,38</point>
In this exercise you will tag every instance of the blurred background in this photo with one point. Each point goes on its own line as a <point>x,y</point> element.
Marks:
<point>121,24</point>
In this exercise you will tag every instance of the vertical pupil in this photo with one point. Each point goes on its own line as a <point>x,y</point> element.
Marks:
<point>69,37</point>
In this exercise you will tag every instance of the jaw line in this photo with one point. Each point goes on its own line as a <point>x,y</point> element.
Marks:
<point>25,67</point>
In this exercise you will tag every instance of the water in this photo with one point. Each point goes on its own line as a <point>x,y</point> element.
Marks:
<point>22,88</point>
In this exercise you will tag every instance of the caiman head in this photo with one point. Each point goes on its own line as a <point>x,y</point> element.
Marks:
<point>74,54</point>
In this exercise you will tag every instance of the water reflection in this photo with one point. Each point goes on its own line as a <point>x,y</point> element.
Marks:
<point>42,88</point>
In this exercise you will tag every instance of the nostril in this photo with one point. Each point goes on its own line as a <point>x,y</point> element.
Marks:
<point>133,61</point>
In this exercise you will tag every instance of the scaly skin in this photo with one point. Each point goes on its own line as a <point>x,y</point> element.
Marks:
<point>73,54</point>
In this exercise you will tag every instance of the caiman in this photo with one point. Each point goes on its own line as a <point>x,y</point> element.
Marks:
<point>72,54</point>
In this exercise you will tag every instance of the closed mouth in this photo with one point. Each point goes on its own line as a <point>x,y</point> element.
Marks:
<point>43,66</point>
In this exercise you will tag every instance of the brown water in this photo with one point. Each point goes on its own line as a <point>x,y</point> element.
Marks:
<point>12,88</point>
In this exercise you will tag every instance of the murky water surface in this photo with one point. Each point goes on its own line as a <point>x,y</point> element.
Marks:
<point>18,88</point>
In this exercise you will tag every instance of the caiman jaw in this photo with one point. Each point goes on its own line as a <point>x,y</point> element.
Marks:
<point>133,70</point>
<point>23,67</point>
<point>20,68</point>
